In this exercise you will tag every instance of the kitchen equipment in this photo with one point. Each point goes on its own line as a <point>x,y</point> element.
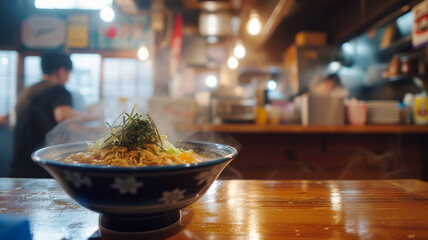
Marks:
<point>322,110</point>
<point>233,109</point>
<point>235,104</point>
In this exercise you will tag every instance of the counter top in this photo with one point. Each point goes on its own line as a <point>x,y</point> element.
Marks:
<point>247,209</point>
<point>253,128</point>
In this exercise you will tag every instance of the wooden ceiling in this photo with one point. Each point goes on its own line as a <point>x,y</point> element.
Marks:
<point>340,19</point>
<point>282,19</point>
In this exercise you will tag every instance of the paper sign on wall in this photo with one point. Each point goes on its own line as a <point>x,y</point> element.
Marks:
<point>420,24</point>
<point>78,31</point>
<point>43,32</point>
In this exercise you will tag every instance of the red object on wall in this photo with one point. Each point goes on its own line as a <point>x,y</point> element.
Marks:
<point>111,32</point>
<point>176,42</point>
<point>176,38</point>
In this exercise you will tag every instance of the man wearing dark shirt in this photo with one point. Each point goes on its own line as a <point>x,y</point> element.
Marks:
<point>40,107</point>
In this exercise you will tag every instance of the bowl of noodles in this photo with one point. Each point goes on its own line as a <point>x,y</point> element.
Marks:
<point>133,177</point>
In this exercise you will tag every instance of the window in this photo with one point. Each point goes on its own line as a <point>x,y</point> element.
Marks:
<point>32,70</point>
<point>8,72</point>
<point>128,81</point>
<point>84,82</point>
<point>72,4</point>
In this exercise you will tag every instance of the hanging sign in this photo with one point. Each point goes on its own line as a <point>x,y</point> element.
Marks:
<point>43,32</point>
<point>420,24</point>
<point>124,33</point>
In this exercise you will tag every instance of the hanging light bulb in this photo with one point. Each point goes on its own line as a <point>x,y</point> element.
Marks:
<point>107,14</point>
<point>143,53</point>
<point>232,62</point>
<point>211,81</point>
<point>254,26</point>
<point>271,85</point>
<point>239,50</point>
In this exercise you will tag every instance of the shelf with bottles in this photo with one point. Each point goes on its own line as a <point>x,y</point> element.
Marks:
<point>406,66</point>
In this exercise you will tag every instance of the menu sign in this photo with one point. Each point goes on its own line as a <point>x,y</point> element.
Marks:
<point>124,33</point>
<point>84,31</point>
<point>78,31</point>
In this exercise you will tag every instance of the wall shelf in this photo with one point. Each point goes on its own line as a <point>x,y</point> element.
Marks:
<point>401,45</point>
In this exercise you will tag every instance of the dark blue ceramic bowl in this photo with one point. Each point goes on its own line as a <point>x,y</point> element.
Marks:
<point>136,199</point>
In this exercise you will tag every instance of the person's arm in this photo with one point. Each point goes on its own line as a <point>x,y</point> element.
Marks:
<point>4,120</point>
<point>64,112</point>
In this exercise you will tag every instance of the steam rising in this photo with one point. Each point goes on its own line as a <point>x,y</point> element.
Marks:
<point>76,130</point>
<point>92,125</point>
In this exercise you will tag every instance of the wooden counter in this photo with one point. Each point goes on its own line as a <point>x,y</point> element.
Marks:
<point>320,152</point>
<point>253,128</point>
<point>247,209</point>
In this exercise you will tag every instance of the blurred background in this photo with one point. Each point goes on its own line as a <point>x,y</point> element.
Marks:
<point>249,69</point>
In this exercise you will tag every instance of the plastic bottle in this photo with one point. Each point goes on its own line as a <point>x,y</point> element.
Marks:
<point>408,107</point>
<point>420,109</point>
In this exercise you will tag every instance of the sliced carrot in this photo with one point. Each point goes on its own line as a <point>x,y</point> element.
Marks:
<point>186,157</point>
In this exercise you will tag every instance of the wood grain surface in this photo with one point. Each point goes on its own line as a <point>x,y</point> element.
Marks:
<point>246,209</point>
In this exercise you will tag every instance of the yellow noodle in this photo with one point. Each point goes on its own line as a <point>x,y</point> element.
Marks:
<point>124,157</point>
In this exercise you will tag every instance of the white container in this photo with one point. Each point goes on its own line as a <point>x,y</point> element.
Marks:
<point>357,113</point>
<point>322,110</point>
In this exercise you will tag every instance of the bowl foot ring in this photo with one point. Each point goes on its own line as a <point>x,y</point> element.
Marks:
<point>144,224</point>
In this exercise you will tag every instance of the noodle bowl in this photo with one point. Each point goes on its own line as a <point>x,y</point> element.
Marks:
<point>105,176</point>
<point>134,199</point>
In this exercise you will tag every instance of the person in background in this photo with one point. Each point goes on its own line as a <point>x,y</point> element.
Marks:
<point>39,108</point>
<point>328,85</point>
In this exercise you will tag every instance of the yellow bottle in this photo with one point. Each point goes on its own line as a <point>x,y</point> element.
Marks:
<point>420,110</point>
<point>261,116</point>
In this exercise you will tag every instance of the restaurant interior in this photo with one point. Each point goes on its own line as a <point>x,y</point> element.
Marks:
<point>238,71</point>
<point>310,109</point>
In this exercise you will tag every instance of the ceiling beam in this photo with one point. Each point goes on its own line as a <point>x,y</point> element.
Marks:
<point>270,18</point>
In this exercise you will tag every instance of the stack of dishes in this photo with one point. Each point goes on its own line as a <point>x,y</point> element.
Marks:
<point>383,112</point>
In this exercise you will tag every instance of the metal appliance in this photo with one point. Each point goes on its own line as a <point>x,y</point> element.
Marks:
<point>235,104</point>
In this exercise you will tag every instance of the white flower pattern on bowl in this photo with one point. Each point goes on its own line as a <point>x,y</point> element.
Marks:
<point>207,176</point>
<point>173,196</point>
<point>125,185</point>
<point>77,179</point>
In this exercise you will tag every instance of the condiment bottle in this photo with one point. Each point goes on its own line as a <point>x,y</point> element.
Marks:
<point>408,108</point>
<point>420,109</point>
